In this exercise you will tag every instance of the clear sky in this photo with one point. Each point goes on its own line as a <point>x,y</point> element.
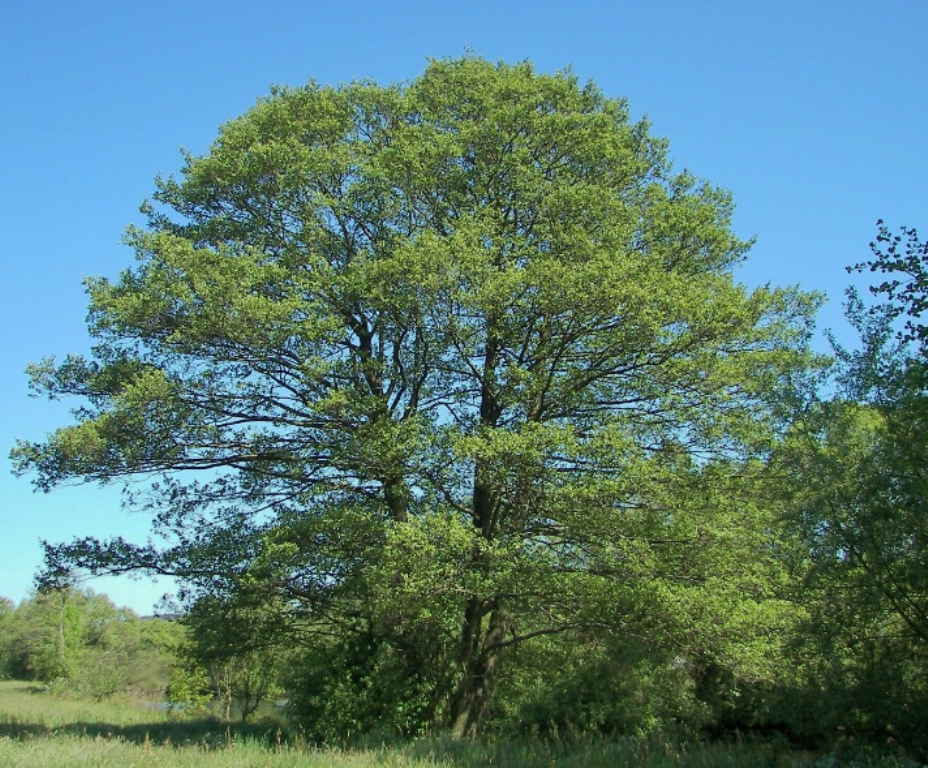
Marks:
<point>814,114</point>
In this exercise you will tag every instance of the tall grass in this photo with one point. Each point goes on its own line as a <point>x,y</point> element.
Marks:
<point>38,730</point>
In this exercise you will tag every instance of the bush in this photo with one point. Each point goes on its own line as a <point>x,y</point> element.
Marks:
<point>573,688</point>
<point>364,684</point>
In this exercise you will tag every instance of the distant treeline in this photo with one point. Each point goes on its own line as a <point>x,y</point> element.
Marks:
<point>79,642</point>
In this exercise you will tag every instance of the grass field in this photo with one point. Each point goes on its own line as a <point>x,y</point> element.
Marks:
<point>38,730</point>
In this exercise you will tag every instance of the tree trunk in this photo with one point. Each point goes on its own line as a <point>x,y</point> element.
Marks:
<point>395,492</point>
<point>479,651</point>
<point>62,645</point>
<point>470,700</point>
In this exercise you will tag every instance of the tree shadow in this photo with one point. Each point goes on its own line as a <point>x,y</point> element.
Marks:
<point>205,732</point>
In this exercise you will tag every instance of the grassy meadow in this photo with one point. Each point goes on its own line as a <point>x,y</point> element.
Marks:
<point>40,730</point>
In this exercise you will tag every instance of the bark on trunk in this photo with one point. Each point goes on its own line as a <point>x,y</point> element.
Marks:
<point>479,646</point>
<point>470,700</point>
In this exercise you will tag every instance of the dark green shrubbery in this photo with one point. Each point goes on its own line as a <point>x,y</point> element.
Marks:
<point>366,683</point>
<point>575,688</point>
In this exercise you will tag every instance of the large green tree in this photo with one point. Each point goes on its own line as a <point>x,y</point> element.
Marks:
<point>457,363</point>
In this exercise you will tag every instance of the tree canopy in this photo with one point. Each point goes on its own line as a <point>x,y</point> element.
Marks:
<point>450,366</point>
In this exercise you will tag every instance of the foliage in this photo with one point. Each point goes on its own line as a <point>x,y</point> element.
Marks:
<point>231,649</point>
<point>865,519</point>
<point>904,258</point>
<point>859,495</point>
<point>81,643</point>
<point>7,609</point>
<point>601,688</point>
<point>460,360</point>
<point>364,683</point>
<point>49,635</point>
<point>190,688</point>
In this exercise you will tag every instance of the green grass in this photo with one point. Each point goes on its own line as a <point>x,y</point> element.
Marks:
<point>38,730</point>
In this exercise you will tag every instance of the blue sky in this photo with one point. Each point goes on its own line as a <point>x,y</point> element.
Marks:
<point>814,115</point>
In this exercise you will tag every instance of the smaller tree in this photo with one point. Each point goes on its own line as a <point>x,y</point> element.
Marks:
<point>235,646</point>
<point>49,634</point>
